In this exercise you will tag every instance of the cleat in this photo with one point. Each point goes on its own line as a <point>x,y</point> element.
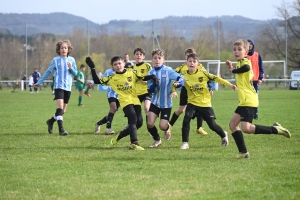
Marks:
<point>243,155</point>
<point>114,140</point>
<point>135,147</point>
<point>62,132</point>
<point>97,128</point>
<point>87,94</point>
<point>255,116</point>
<point>276,124</point>
<point>109,131</point>
<point>50,126</point>
<point>281,130</point>
<point>184,146</point>
<point>168,133</point>
<point>201,131</point>
<point>80,105</point>
<point>224,140</point>
<point>156,143</point>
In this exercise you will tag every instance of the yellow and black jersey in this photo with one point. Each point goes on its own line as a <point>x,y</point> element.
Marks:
<point>196,86</point>
<point>183,68</point>
<point>246,92</point>
<point>142,69</point>
<point>124,85</point>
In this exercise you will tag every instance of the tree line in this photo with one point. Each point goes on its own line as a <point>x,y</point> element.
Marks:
<point>270,42</point>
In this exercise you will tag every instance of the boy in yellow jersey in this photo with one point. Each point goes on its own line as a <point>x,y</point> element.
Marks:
<point>182,69</point>
<point>248,101</point>
<point>199,99</point>
<point>141,87</point>
<point>123,82</point>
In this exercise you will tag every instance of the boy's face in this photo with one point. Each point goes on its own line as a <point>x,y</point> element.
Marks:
<point>192,64</point>
<point>126,58</point>
<point>239,52</point>
<point>83,69</point>
<point>157,60</point>
<point>250,46</point>
<point>139,57</point>
<point>63,50</point>
<point>118,65</point>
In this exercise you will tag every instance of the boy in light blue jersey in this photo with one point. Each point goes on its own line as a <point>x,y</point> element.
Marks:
<point>114,104</point>
<point>161,102</point>
<point>64,67</point>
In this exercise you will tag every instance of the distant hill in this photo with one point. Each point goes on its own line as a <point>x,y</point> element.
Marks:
<point>63,23</point>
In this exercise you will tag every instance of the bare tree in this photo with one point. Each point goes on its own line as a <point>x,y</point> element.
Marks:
<point>275,35</point>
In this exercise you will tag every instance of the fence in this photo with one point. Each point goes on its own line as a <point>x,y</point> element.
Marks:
<point>268,84</point>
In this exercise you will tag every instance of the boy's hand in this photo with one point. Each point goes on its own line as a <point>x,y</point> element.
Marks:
<point>174,95</point>
<point>176,84</point>
<point>90,62</point>
<point>229,64</point>
<point>234,87</point>
<point>69,65</point>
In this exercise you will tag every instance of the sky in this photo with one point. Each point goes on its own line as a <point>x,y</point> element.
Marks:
<point>101,12</point>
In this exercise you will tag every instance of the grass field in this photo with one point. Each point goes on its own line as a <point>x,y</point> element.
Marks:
<point>83,165</point>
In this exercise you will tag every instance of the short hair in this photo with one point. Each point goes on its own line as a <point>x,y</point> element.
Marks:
<point>115,58</point>
<point>70,47</point>
<point>82,66</point>
<point>243,43</point>
<point>159,52</point>
<point>141,50</point>
<point>189,51</point>
<point>194,56</point>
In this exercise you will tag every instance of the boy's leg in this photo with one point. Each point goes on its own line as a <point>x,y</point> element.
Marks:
<point>185,130</point>
<point>152,116</point>
<point>200,130</point>
<point>182,104</point>
<point>131,129</point>
<point>114,105</point>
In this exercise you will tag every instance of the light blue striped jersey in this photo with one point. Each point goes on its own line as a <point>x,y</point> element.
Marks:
<point>63,75</point>
<point>166,76</point>
<point>110,92</point>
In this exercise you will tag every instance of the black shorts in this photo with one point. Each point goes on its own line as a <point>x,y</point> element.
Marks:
<point>112,99</point>
<point>246,113</point>
<point>165,112</point>
<point>144,97</point>
<point>183,97</point>
<point>205,112</point>
<point>62,94</point>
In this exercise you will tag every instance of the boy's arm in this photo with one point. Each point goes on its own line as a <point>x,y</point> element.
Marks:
<point>73,69</point>
<point>47,73</point>
<point>154,79</point>
<point>261,68</point>
<point>242,69</point>
<point>102,81</point>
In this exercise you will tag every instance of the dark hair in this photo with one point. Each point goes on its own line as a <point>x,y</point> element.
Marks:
<point>70,48</point>
<point>82,66</point>
<point>140,50</point>
<point>115,58</point>
<point>193,55</point>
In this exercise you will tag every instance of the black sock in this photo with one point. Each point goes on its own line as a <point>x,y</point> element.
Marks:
<point>239,141</point>
<point>52,120</point>
<point>173,119</point>
<point>60,124</point>
<point>199,121</point>
<point>102,121</point>
<point>154,133</point>
<point>110,117</point>
<point>259,129</point>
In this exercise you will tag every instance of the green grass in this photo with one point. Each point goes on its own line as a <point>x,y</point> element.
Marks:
<point>83,165</point>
